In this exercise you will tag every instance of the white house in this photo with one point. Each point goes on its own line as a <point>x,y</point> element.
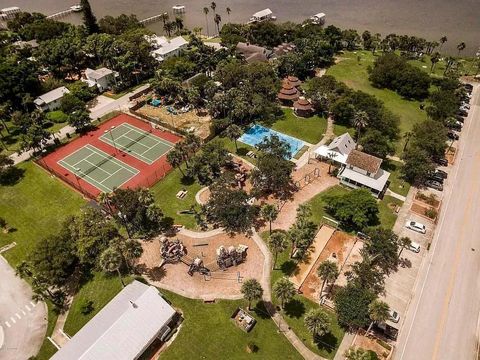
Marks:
<point>338,150</point>
<point>362,170</point>
<point>51,100</point>
<point>124,328</point>
<point>164,48</point>
<point>102,78</point>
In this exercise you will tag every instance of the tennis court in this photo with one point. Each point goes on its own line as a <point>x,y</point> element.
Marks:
<point>137,142</point>
<point>98,168</point>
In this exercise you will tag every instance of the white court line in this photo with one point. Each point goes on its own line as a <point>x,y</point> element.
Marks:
<point>101,182</point>
<point>116,161</point>
<point>159,139</point>
<point>8,324</point>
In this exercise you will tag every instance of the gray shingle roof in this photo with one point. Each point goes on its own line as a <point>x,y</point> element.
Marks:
<point>51,96</point>
<point>123,328</point>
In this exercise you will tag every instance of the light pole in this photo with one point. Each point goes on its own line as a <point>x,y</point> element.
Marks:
<point>111,136</point>
<point>124,219</point>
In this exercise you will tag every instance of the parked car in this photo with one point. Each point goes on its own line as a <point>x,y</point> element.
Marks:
<point>416,226</point>
<point>436,177</point>
<point>468,86</point>
<point>452,135</point>
<point>441,161</point>
<point>465,106</point>
<point>460,119</point>
<point>414,247</point>
<point>434,185</point>
<point>462,112</point>
<point>442,173</point>
<point>394,316</point>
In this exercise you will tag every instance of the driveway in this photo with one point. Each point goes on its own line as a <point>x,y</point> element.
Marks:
<point>442,320</point>
<point>24,322</point>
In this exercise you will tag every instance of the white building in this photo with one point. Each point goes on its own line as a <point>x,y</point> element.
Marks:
<point>9,13</point>
<point>164,48</point>
<point>338,150</point>
<point>51,100</point>
<point>124,328</point>
<point>362,170</point>
<point>318,19</point>
<point>262,15</point>
<point>102,78</point>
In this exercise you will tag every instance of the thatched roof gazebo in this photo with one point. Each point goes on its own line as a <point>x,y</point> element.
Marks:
<point>293,80</point>
<point>303,108</point>
<point>288,94</point>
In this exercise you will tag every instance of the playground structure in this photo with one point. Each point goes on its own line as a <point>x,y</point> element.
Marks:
<point>241,172</point>
<point>231,256</point>
<point>308,178</point>
<point>172,251</point>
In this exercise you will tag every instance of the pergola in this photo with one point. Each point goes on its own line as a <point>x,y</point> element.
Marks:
<point>302,107</point>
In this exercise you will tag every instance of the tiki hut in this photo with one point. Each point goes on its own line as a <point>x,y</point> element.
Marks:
<point>303,108</point>
<point>288,94</point>
<point>293,80</point>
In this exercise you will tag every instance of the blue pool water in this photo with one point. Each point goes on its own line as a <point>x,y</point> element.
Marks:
<point>257,133</point>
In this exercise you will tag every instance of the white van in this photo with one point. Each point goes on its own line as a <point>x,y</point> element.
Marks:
<point>414,247</point>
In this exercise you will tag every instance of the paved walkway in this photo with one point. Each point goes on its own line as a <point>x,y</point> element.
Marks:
<point>119,104</point>
<point>395,195</point>
<point>347,341</point>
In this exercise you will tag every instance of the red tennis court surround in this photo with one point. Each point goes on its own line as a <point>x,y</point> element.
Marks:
<point>147,175</point>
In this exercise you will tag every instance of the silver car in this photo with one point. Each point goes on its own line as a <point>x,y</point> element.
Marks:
<point>416,226</point>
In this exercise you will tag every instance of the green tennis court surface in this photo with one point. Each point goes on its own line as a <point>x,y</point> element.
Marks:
<point>137,142</point>
<point>98,168</point>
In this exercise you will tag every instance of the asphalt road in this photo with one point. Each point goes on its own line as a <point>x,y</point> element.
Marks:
<point>442,321</point>
<point>23,321</point>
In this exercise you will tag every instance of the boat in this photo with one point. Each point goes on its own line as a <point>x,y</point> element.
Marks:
<point>263,15</point>
<point>318,19</point>
<point>178,8</point>
<point>76,8</point>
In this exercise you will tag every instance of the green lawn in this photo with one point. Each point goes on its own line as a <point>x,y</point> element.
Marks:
<point>397,184</point>
<point>467,66</point>
<point>165,192</point>
<point>100,289</point>
<point>310,129</point>
<point>47,350</point>
<point>342,129</point>
<point>34,208</point>
<point>354,74</point>
<point>386,214</point>
<point>241,149</point>
<point>208,333</point>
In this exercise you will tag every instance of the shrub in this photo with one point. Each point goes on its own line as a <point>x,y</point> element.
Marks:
<point>86,307</point>
<point>431,213</point>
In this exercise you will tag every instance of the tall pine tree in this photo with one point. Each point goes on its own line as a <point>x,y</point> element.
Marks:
<point>89,19</point>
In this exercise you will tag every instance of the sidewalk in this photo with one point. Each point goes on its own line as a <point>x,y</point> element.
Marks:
<point>119,104</point>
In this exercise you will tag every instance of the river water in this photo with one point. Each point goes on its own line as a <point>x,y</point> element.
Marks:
<point>459,20</point>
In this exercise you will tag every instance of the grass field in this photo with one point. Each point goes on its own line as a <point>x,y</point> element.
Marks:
<point>310,129</point>
<point>386,214</point>
<point>397,184</point>
<point>354,74</point>
<point>165,194</point>
<point>100,289</point>
<point>342,129</point>
<point>35,207</point>
<point>208,333</point>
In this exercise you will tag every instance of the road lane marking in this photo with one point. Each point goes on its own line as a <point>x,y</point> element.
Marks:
<point>12,319</point>
<point>27,307</point>
<point>440,224</point>
<point>33,304</point>
<point>24,313</point>
<point>8,324</point>
<point>453,275</point>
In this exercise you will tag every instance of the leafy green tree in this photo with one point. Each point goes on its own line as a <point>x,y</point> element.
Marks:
<point>111,261</point>
<point>375,143</point>
<point>317,322</point>
<point>176,159</point>
<point>89,19</point>
<point>273,175</point>
<point>418,165</point>
<point>251,290</point>
<point>378,311</point>
<point>351,305</point>
<point>366,275</point>
<point>360,354</point>
<point>284,290</point>
<point>130,249</point>
<point>269,212</point>
<point>356,209</point>
<point>278,244</point>
<point>34,138</point>
<point>206,166</point>
<point>80,120</point>
<point>403,242</point>
<point>233,132</point>
<point>328,272</point>
<point>229,208</point>
<point>382,247</point>
<point>118,25</point>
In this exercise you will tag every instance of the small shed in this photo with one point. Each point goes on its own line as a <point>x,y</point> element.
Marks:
<point>303,108</point>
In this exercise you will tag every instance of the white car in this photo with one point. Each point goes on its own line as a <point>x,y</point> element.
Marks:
<point>416,226</point>
<point>394,316</point>
<point>414,247</point>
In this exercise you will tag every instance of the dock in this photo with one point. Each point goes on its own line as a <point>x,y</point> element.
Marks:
<point>151,19</point>
<point>60,14</point>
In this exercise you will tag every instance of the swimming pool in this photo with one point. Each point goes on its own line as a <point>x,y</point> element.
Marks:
<point>257,133</point>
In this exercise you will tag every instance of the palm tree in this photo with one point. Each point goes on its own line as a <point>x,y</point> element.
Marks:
<point>111,260</point>
<point>404,242</point>
<point>356,354</point>
<point>284,290</point>
<point>27,100</point>
<point>228,13</point>
<point>435,58</point>
<point>233,132</point>
<point>317,322</point>
<point>104,199</point>
<point>251,290</point>
<point>331,156</point>
<point>407,137</point>
<point>169,27</point>
<point>197,30</point>
<point>3,114</point>
<point>269,212</point>
<point>461,47</point>
<point>131,250</point>
<point>206,11</point>
<point>328,272</point>
<point>213,6</point>
<point>295,236</point>
<point>178,23</point>
<point>278,244</point>
<point>443,40</point>
<point>378,311</point>
<point>218,20</point>
<point>164,18</point>
<point>360,120</point>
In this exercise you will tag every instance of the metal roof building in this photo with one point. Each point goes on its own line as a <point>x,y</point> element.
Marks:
<point>123,329</point>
